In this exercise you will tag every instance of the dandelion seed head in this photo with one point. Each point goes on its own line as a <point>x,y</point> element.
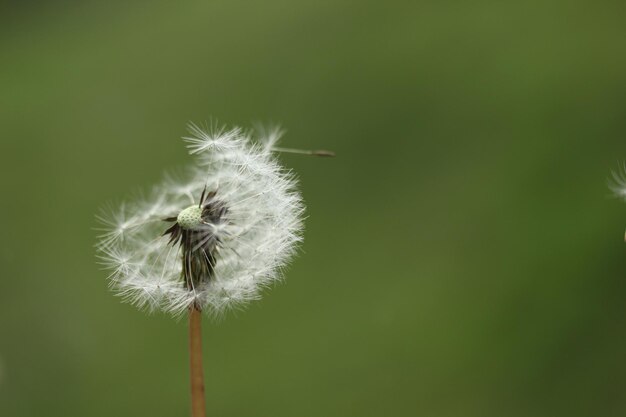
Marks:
<point>213,239</point>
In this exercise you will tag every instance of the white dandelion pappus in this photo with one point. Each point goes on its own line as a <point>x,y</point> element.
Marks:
<point>213,241</point>
<point>617,182</point>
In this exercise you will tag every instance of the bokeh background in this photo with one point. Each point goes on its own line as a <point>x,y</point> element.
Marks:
<point>463,255</point>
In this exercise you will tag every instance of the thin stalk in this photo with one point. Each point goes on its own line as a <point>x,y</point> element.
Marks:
<point>304,152</point>
<point>195,362</point>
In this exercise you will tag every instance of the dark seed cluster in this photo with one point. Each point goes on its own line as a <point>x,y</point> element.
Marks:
<point>199,244</point>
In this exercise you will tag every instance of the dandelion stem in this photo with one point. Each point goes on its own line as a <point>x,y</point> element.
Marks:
<point>195,362</point>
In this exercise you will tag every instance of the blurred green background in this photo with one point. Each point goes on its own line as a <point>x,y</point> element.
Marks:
<point>462,256</point>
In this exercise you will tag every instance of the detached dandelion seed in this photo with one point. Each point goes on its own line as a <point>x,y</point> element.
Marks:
<point>617,184</point>
<point>210,242</point>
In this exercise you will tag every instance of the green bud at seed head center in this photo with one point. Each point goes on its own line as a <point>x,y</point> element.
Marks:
<point>190,218</point>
